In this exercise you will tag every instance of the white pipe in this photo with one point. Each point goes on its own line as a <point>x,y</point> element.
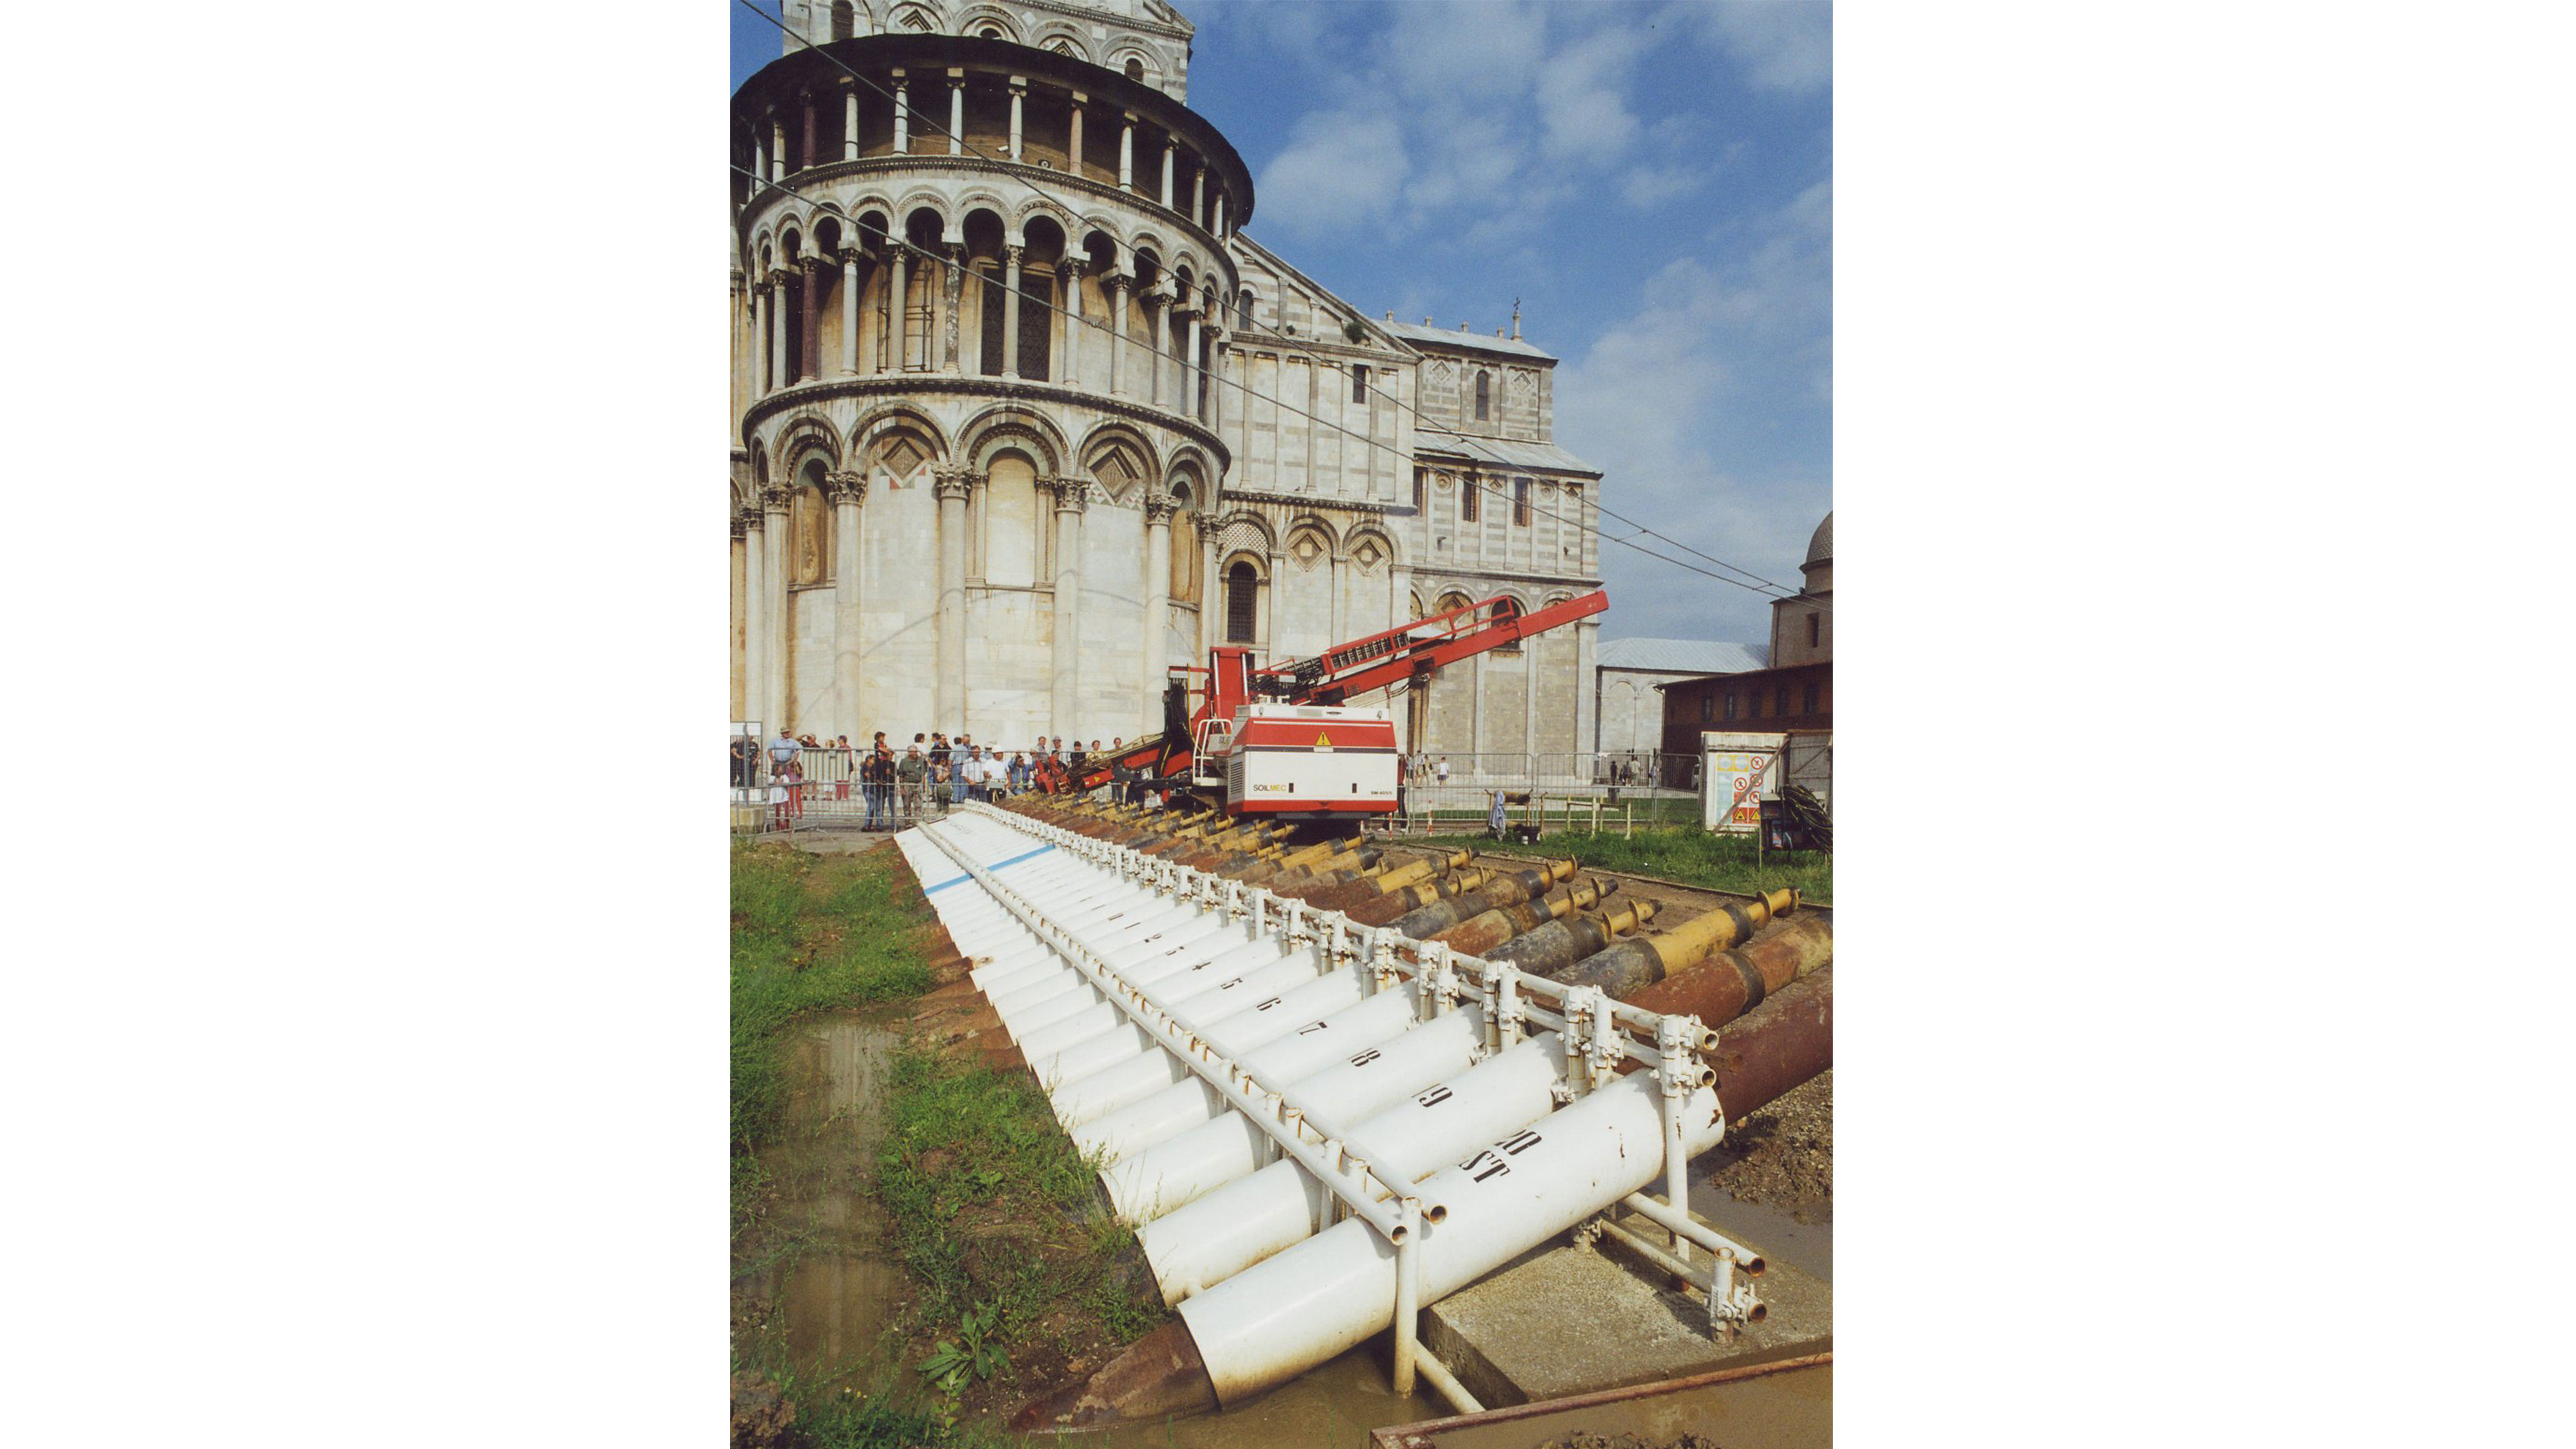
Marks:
<point>1695,1230</point>
<point>1293,1311</point>
<point>1408,1297</point>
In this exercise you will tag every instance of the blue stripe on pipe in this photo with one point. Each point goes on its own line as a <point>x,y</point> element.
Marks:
<point>1000,865</point>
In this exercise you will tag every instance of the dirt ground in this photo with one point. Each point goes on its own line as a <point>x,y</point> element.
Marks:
<point>1582,1440</point>
<point>1783,1154</point>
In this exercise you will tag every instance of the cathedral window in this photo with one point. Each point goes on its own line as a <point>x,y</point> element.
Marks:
<point>1470,499</point>
<point>1812,628</point>
<point>1484,395</point>
<point>1520,502</point>
<point>1811,696</point>
<point>1421,487</point>
<point>1730,704</point>
<point>1242,602</point>
<point>1705,702</point>
<point>841,20</point>
<point>1359,382</point>
<point>1135,69</point>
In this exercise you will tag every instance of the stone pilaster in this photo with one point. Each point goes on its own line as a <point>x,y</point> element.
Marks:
<point>776,625</point>
<point>1159,508</point>
<point>952,485</point>
<point>849,120</point>
<point>778,374</point>
<point>755,620</point>
<point>809,365</point>
<point>1127,151</point>
<point>848,493</point>
<point>735,577</point>
<point>956,111</point>
<point>902,115</point>
<point>850,311</point>
<point>1072,496</point>
<point>1073,139</point>
<point>768,379</point>
<point>1019,100</point>
<point>1190,403</point>
<point>1171,150</point>
<point>899,304</point>
<point>1162,338</point>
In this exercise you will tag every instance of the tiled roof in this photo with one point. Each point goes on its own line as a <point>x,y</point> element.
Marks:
<point>1430,437</point>
<point>1681,656</point>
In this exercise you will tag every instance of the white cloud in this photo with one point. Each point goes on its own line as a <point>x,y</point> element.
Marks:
<point>1681,405</point>
<point>1653,185</point>
<point>1342,169</point>
<point>1581,107</point>
<point>1783,45</point>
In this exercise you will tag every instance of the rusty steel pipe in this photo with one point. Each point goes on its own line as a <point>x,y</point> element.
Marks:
<point>1482,933</point>
<point>1414,897</point>
<point>1731,983</point>
<point>1361,864</point>
<point>1353,893</point>
<point>1296,862</point>
<point>1777,1047</point>
<point>1507,889</point>
<point>1643,961</point>
<point>1560,943</point>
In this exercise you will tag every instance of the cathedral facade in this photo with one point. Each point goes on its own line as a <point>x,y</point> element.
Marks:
<point>1021,418</point>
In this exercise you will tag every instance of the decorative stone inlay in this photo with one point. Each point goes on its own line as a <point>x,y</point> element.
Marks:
<point>1367,553</point>
<point>845,487</point>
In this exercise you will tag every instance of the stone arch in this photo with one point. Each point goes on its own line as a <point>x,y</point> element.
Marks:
<point>1006,424</point>
<point>895,441</point>
<point>920,199</point>
<point>1189,458</point>
<point>919,18</point>
<point>759,468</point>
<point>980,201</point>
<point>1017,223</point>
<point>975,19</point>
<point>1061,39</point>
<point>1243,595</point>
<point>1120,459</point>
<point>807,433</point>
<point>1187,487</point>
<point>1120,56</point>
<point>1372,548</point>
<point>1245,529</point>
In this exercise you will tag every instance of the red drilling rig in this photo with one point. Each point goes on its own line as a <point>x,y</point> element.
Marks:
<point>1285,742</point>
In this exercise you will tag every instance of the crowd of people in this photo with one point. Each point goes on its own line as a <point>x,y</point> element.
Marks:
<point>929,776</point>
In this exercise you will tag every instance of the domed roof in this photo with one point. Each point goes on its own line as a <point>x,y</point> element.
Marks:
<point>1820,549</point>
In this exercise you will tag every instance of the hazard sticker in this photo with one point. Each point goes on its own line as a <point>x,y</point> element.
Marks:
<point>1323,743</point>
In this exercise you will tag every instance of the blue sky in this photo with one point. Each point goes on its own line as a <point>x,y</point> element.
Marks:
<point>1652,179</point>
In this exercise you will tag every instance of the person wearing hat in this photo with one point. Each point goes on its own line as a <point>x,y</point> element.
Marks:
<point>913,771</point>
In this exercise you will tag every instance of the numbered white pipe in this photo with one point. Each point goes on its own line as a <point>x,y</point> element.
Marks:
<point>1296,1309</point>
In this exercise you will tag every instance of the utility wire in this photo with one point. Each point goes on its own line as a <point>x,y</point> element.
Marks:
<point>1395,403</point>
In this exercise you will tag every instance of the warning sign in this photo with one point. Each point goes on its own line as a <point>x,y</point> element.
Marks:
<point>1737,773</point>
<point>1323,743</point>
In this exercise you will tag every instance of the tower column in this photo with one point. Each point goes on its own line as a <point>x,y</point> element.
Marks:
<point>951,283</point>
<point>956,111</point>
<point>1162,337</point>
<point>849,121</point>
<point>951,484</point>
<point>1019,95</point>
<point>1159,508</point>
<point>849,495</point>
<point>777,147</point>
<point>805,157</point>
<point>1171,150</point>
<point>849,311</point>
<point>1190,372</point>
<point>1071,495</point>
<point>902,115</point>
<point>899,303</point>
<point>1073,144</point>
<point>1218,230</point>
<point>760,337</point>
<point>1119,284</point>
<point>1011,311</point>
<point>809,361</point>
<point>1069,321</point>
<point>1127,151</point>
<point>1198,195</point>
<point>778,330</point>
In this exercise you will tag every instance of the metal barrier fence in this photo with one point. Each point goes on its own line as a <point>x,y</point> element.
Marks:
<point>1452,792</point>
<point>822,788</point>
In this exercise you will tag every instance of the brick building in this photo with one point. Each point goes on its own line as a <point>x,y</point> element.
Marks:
<point>1795,695</point>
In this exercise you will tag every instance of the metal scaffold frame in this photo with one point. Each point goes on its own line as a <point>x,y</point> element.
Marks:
<point>1094,891</point>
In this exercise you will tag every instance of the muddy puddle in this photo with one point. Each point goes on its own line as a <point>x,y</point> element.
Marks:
<point>1808,1247</point>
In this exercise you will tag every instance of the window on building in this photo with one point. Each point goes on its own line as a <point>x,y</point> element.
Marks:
<point>1242,600</point>
<point>1811,697</point>
<point>1521,502</point>
<point>841,20</point>
<point>1470,498</point>
<point>1135,70</point>
<point>1508,608</point>
<point>1811,630</point>
<point>1421,486</point>
<point>1781,703</point>
<point>1707,702</point>
<point>1359,382</point>
<point>1484,395</point>
<point>1755,709</point>
<point>1730,704</point>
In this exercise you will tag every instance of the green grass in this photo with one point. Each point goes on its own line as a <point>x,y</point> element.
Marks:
<point>991,1204</point>
<point>808,933</point>
<point>1690,856</point>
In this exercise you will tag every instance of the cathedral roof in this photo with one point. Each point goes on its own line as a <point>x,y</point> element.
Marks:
<point>1820,549</point>
<point>1681,656</point>
<point>1430,437</point>
<point>1443,337</point>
